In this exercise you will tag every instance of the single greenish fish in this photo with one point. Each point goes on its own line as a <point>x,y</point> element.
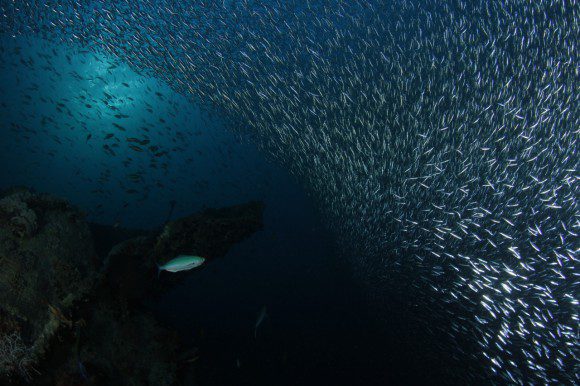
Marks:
<point>181,263</point>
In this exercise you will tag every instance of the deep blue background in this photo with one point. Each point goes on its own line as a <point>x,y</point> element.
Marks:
<point>318,331</point>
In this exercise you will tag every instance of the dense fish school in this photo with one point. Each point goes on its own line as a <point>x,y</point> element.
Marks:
<point>438,137</point>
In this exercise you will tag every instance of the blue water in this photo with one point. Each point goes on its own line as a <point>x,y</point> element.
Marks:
<point>318,329</point>
<point>437,141</point>
<point>49,150</point>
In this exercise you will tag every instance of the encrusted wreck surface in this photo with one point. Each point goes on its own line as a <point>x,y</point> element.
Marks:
<point>70,315</point>
<point>47,264</point>
<point>209,233</point>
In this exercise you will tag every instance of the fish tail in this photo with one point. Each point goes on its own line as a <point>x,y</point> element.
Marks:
<point>158,270</point>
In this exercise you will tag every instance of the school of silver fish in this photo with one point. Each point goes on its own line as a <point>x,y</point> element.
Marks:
<point>439,138</point>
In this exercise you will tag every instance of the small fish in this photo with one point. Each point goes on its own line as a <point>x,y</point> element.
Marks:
<point>191,360</point>
<point>82,370</point>
<point>259,320</point>
<point>119,127</point>
<point>181,263</point>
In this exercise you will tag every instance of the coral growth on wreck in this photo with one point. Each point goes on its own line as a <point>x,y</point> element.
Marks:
<point>72,316</point>
<point>47,260</point>
<point>16,216</point>
<point>15,355</point>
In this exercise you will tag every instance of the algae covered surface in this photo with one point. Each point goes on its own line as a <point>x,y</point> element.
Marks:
<point>69,315</point>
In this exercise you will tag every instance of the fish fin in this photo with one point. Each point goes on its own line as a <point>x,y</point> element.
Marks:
<point>158,270</point>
